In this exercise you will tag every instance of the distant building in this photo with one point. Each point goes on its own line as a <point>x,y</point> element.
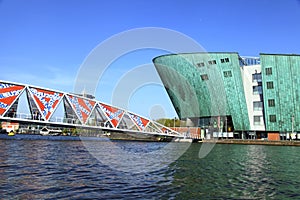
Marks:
<point>224,92</point>
<point>10,126</point>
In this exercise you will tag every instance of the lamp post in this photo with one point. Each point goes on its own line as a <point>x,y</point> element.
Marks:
<point>174,122</point>
<point>292,126</point>
<point>226,126</point>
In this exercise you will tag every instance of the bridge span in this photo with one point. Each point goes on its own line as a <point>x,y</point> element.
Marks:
<point>27,104</point>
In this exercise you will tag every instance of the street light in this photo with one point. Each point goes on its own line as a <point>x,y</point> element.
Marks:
<point>292,126</point>
<point>174,122</point>
<point>226,126</point>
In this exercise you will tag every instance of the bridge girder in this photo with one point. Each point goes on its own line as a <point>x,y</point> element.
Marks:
<point>77,111</point>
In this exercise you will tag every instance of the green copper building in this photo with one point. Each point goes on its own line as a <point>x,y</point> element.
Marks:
<point>248,97</point>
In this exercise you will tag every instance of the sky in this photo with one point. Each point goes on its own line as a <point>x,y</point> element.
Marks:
<point>45,42</point>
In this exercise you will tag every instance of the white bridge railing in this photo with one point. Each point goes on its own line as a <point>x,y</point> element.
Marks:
<point>25,117</point>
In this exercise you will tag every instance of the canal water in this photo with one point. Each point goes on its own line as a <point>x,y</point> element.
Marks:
<point>42,169</point>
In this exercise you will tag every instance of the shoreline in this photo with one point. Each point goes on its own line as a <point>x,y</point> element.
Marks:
<point>150,139</point>
<point>112,137</point>
<point>255,142</point>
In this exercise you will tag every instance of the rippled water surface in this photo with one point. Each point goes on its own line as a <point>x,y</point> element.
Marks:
<point>41,169</point>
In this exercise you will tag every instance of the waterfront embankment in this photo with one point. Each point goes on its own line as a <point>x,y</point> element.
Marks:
<point>255,142</point>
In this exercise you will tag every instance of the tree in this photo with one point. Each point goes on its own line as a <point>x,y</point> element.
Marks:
<point>169,122</point>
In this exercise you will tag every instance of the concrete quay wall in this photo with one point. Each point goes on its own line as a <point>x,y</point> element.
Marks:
<point>255,142</point>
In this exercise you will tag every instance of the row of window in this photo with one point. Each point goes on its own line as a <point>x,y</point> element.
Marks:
<point>257,120</point>
<point>257,77</point>
<point>258,105</point>
<point>204,77</point>
<point>213,62</point>
<point>258,89</point>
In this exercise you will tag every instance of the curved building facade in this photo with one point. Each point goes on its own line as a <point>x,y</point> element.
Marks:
<point>225,92</point>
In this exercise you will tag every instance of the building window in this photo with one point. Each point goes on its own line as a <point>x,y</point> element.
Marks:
<point>257,89</point>
<point>271,102</point>
<point>227,74</point>
<point>257,120</point>
<point>269,71</point>
<point>201,64</point>
<point>270,85</point>
<point>204,77</point>
<point>212,62</point>
<point>272,118</point>
<point>256,77</point>
<point>223,60</point>
<point>257,105</point>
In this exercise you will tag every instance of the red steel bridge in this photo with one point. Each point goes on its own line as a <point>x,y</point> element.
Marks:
<point>28,104</point>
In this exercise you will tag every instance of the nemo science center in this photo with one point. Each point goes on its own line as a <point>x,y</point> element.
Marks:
<point>231,96</point>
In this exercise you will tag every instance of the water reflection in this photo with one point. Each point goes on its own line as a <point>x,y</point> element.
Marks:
<point>238,172</point>
<point>53,169</point>
<point>61,169</point>
<point>139,157</point>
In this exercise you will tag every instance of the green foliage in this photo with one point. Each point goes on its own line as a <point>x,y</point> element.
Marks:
<point>169,122</point>
<point>74,132</point>
<point>65,131</point>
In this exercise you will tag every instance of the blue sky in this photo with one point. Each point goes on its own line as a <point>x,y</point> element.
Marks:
<point>44,42</point>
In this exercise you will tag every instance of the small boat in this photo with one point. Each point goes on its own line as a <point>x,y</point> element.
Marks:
<point>189,140</point>
<point>11,133</point>
<point>46,131</point>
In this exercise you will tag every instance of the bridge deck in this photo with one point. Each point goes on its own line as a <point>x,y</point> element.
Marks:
<point>49,107</point>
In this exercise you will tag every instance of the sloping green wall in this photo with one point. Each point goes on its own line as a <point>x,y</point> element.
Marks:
<point>286,91</point>
<point>198,86</point>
